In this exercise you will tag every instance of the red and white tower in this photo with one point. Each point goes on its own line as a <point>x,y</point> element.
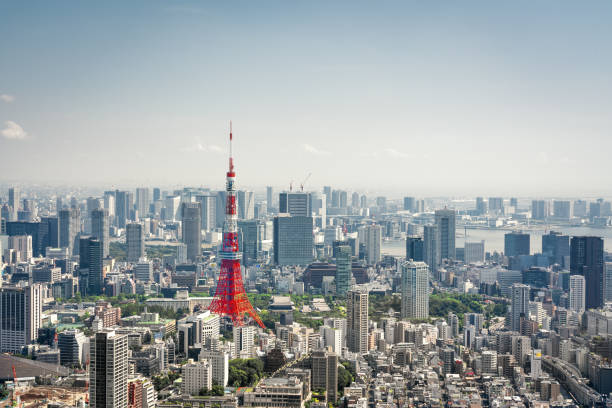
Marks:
<point>230,298</point>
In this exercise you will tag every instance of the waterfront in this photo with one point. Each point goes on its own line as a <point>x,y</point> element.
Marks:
<point>494,238</point>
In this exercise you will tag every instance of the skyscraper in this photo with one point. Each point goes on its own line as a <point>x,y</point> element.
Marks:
<point>95,254</point>
<point>539,209</point>
<point>556,247</point>
<point>520,305</point>
<point>100,228</point>
<point>357,321</point>
<point>122,208</point>
<point>343,269</point>
<point>409,204</point>
<point>135,242</point>
<point>415,249</point>
<point>293,240</point>
<point>20,316</point>
<point>246,205</point>
<point>325,373</point>
<point>69,224</point>
<point>586,259</point>
<point>577,293</point>
<point>191,229</point>
<point>14,202</point>
<point>208,205</point>
<point>562,210</point>
<point>474,252</point>
<point>445,228</point>
<point>516,243</point>
<point>270,197</point>
<point>415,290</point>
<point>371,236</point>
<point>108,370</point>
<point>481,206</point>
<point>143,201</point>
<point>430,246</point>
<point>295,203</point>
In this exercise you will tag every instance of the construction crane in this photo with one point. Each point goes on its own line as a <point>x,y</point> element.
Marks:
<point>14,397</point>
<point>304,182</point>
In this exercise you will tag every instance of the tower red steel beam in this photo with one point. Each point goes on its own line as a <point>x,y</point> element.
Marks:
<point>230,298</point>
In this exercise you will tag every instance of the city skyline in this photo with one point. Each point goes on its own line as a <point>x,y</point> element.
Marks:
<point>344,85</point>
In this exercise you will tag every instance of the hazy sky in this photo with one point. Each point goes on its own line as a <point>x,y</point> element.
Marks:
<point>425,97</point>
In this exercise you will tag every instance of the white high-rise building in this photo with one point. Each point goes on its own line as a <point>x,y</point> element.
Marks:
<point>172,205</point>
<point>208,206</point>
<point>489,362</point>
<point>536,364</point>
<point>244,337</point>
<point>197,376</point>
<point>415,290</point>
<point>371,236</point>
<point>357,321</point>
<point>577,293</point>
<point>143,200</point>
<point>520,305</point>
<point>108,370</point>
<point>474,252</point>
<point>246,205</point>
<point>219,361</point>
<point>332,337</point>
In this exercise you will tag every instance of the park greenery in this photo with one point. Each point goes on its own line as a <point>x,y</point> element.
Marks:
<point>118,250</point>
<point>245,372</point>
<point>440,305</point>
<point>164,380</point>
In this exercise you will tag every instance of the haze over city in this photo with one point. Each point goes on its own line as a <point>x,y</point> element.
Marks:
<point>436,98</point>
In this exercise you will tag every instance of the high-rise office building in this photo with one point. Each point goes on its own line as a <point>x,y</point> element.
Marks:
<point>246,205</point>
<point>355,203</point>
<point>539,209</point>
<point>108,370</point>
<point>95,264</point>
<point>445,229</point>
<point>70,344</point>
<point>556,247</point>
<point>344,272</point>
<point>516,243</point>
<point>100,228</point>
<point>197,375</point>
<point>409,204</point>
<point>580,208</point>
<point>143,201</point>
<point>325,373</point>
<point>208,205</point>
<point>20,316</point>
<point>496,205</point>
<point>51,228</point>
<point>474,252</point>
<point>415,290</point>
<point>123,207</point>
<point>608,281</point>
<point>172,207</point>
<point>135,241</point>
<point>577,293</point>
<point>357,321</point>
<point>14,202</point>
<point>587,259</point>
<point>191,229</point>
<point>520,305</point>
<point>293,240</point>
<point>69,224</point>
<point>371,236</point>
<point>270,198</point>
<point>295,203</point>
<point>481,206</point>
<point>562,210</point>
<point>431,246</point>
<point>415,249</point>
<point>363,201</point>
<point>156,194</point>
<point>252,235</point>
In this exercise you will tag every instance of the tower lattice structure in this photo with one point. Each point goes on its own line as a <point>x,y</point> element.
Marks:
<point>230,298</point>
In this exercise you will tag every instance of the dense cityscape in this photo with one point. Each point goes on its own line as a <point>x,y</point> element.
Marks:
<point>197,297</point>
<point>305,204</point>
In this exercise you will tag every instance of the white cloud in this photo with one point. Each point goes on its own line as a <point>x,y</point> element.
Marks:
<point>201,147</point>
<point>313,150</point>
<point>13,131</point>
<point>7,98</point>
<point>396,153</point>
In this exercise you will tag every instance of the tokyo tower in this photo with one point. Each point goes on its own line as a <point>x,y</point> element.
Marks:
<point>230,298</point>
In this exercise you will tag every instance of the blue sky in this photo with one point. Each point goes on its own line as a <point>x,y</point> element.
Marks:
<point>431,97</point>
